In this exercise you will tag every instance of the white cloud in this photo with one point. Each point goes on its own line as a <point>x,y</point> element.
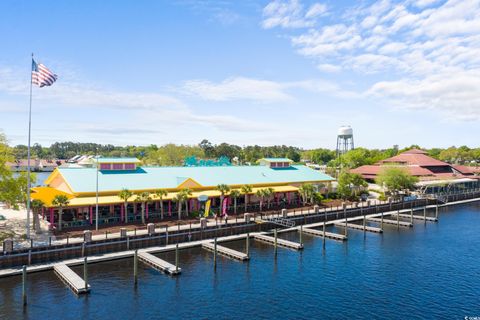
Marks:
<point>431,47</point>
<point>291,14</point>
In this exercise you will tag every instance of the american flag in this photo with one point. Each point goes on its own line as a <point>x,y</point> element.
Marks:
<point>41,76</point>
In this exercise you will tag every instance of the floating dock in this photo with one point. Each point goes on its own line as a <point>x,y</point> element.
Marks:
<point>359,227</point>
<point>227,252</point>
<point>329,235</point>
<point>71,279</point>
<point>393,222</point>
<point>280,242</point>
<point>158,263</point>
<point>416,217</point>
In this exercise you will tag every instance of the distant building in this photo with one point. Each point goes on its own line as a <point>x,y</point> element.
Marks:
<point>430,171</point>
<point>36,165</point>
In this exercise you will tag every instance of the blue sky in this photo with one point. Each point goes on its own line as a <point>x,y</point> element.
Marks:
<point>244,72</point>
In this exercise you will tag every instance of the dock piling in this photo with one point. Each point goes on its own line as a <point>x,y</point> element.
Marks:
<point>364,224</point>
<point>301,234</point>
<point>176,258</point>
<point>381,222</point>
<point>135,267</point>
<point>425,215</point>
<point>436,212</point>
<point>128,242</point>
<point>276,240</point>
<point>85,273</point>
<point>29,257</point>
<point>215,254</point>
<point>324,234</point>
<point>398,220</point>
<point>411,215</point>
<point>24,285</point>
<point>248,244</point>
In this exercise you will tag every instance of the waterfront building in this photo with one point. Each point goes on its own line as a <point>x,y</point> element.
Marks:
<point>114,174</point>
<point>432,173</point>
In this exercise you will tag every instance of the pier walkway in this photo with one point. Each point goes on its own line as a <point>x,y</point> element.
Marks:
<point>280,242</point>
<point>415,216</point>
<point>227,252</point>
<point>359,227</point>
<point>158,263</point>
<point>393,222</point>
<point>71,279</point>
<point>328,235</point>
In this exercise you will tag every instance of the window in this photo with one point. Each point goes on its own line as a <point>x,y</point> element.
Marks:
<point>118,166</point>
<point>105,166</point>
<point>129,166</point>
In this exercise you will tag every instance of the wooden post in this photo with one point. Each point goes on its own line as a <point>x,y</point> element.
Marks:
<point>275,243</point>
<point>248,244</point>
<point>301,234</point>
<point>425,214</point>
<point>176,258</point>
<point>29,257</point>
<point>215,254</point>
<point>135,267</point>
<point>323,234</point>
<point>24,285</point>
<point>364,224</point>
<point>398,219</point>
<point>106,234</point>
<point>436,212</point>
<point>166,237</point>
<point>85,273</point>
<point>411,215</point>
<point>68,239</point>
<point>128,243</point>
<point>381,221</point>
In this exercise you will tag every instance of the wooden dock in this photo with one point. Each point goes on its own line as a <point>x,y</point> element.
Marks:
<point>359,227</point>
<point>328,235</point>
<point>71,279</point>
<point>158,263</point>
<point>280,242</point>
<point>415,217</point>
<point>227,252</point>
<point>393,222</point>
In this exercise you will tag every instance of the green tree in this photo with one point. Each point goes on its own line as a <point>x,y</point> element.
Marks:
<point>180,199</point>
<point>261,196</point>
<point>235,194</point>
<point>268,193</point>
<point>224,190</point>
<point>349,184</point>
<point>396,179</point>
<point>143,198</point>
<point>306,191</point>
<point>246,190</point>
<point>60,201</point>
<point>125,194</point>
<point>186,194</point>
<point>37,206</point>
<point>160,194</point>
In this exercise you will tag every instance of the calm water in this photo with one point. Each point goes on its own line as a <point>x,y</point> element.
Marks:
<point>430,272</point>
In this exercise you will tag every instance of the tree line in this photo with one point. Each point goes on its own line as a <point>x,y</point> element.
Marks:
<point>173,154</point>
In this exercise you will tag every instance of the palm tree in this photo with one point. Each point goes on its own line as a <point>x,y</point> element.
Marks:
<point>143,198</point>
<point>261,195</point>
<point>179,199</point>
<point>60,201</point>
<point>160,194</point>
<point>235,194</point>
<point>269,192</point>
<point>246,189</point>
<point>125,194</point>
<point>186,193</point>
<point>224,189</point>
<point>306,192</point>
<point>37,205</point>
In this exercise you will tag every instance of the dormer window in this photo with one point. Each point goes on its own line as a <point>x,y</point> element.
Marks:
<point>118,164</point>
<point>276,162</point>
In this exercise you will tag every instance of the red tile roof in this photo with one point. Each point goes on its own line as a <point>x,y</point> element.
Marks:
<point>467,169</point>
<point>416,159</point>
<point>376,169</point>
<point>415,151</point>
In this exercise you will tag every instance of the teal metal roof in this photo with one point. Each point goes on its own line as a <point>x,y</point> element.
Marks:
<point>276,160</point>
<point>83,179</point>
<point>118,160</point>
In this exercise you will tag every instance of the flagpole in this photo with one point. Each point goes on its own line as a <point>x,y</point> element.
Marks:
<point>28,156</point>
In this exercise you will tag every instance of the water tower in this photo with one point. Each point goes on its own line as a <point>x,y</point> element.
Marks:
<point>344,140</point>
